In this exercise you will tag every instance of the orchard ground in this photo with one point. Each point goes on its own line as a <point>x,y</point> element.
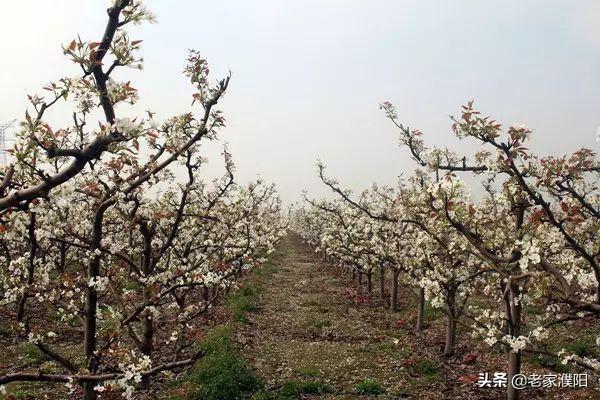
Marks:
<point>299,327</point>
<point>314,330</point>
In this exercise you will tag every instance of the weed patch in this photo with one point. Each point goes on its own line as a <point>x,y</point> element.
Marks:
<point>243,301</point>
<point>369,387</point>
<point>222,374</point>
<point>308,372</point>
<point>425,367</point>
<point>295,388</point>
<point>33,355</point>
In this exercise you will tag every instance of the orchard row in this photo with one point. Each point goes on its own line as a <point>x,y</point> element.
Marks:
<point>113,248</point>
<point>512,255</point>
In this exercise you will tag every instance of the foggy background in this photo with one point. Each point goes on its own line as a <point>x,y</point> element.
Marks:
<point>308,76</point>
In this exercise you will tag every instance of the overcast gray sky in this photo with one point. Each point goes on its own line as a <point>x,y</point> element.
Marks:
<point>308,75</point>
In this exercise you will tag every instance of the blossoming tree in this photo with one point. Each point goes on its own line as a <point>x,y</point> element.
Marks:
<point>537,226</point>
<point>528,240</point>
<point>98,228</point>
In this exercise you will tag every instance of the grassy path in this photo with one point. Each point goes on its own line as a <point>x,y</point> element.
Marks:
<point>308,332</point>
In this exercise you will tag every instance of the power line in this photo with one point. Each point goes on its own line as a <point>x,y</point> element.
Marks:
<point>3,140</point>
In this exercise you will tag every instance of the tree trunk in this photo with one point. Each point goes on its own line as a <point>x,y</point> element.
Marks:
<point>514,368</point>
<point>382,282</point>
<point>91,303</point>
<point>33,246</point>
<point>63,257</point>
<point>148,334</point>
<point>450,322</point>
<point>370,282</point>
<point>421,310</point>
<point>394,298</point>
<point>353,273</point>
<point>147,344</point>
<point>450,335</point>
<point>514,329</point>
<point>360,280</point>
<point>147,269</point>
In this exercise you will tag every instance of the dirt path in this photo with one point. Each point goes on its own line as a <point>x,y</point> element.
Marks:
<point>309,328</point>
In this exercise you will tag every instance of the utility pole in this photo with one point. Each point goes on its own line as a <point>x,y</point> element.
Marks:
<point>3,140</point>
